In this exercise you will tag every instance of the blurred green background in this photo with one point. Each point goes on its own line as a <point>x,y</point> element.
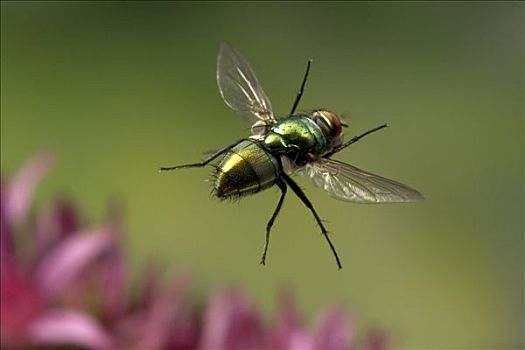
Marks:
<point>117,89</point>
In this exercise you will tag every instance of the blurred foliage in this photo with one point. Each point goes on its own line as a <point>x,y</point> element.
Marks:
<point>117,89</point>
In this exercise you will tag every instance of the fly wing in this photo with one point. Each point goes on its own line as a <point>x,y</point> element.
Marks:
<point>240,88</point>
<point>349,183</point>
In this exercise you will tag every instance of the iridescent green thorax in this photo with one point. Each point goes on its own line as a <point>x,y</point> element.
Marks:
<point>296,133</point>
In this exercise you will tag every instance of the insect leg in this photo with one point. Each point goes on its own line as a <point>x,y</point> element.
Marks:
<point>353,140</point>
<point>300,92</point>
<point>302,196</point>
<point>204,162</point>
<point>283,188</point>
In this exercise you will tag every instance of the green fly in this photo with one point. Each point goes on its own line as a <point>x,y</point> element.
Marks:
<point>295,144</point>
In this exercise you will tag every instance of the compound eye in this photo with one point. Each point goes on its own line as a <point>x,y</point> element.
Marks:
<point>333,121</point>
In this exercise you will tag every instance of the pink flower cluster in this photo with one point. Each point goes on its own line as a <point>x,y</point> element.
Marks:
<point>65,286</point>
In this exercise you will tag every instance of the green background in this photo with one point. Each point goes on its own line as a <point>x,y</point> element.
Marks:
<point>118,89</point>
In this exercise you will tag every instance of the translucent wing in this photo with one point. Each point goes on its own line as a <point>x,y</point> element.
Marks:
<point>349,183</point>
<point>240,89</point>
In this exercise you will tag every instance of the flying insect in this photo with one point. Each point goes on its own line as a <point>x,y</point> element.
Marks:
<point>279,147</point>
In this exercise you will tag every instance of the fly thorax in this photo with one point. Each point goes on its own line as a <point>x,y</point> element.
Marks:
<point>274,141</point>
<point>295,134</point>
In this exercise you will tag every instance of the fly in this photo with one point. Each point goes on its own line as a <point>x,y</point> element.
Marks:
<point>295,144</point>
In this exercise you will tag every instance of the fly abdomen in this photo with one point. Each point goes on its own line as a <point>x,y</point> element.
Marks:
<point>247,168</point>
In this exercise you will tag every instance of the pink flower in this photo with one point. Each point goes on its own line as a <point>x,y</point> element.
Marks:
<point>63,285</point>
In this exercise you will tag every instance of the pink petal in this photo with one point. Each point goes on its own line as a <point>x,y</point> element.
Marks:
<point>20,191</point>
<point>287,324</point>
<point>61,221</point>
<point>231,322</point>
<point>19,305</point>
<point>148,285</point>
<point>161,319</point>
<point>185,329</point>
<point>334,333</point>
<point>7,250</point>
<point>113,283</point>
<point>67,327</point>
<point>156,326</point>
<point>300,340</point>
<point>288,315</point>
<point>7,244</point>
<point>70,257</point>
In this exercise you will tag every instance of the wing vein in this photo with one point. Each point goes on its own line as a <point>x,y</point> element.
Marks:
<point>346,182</point>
